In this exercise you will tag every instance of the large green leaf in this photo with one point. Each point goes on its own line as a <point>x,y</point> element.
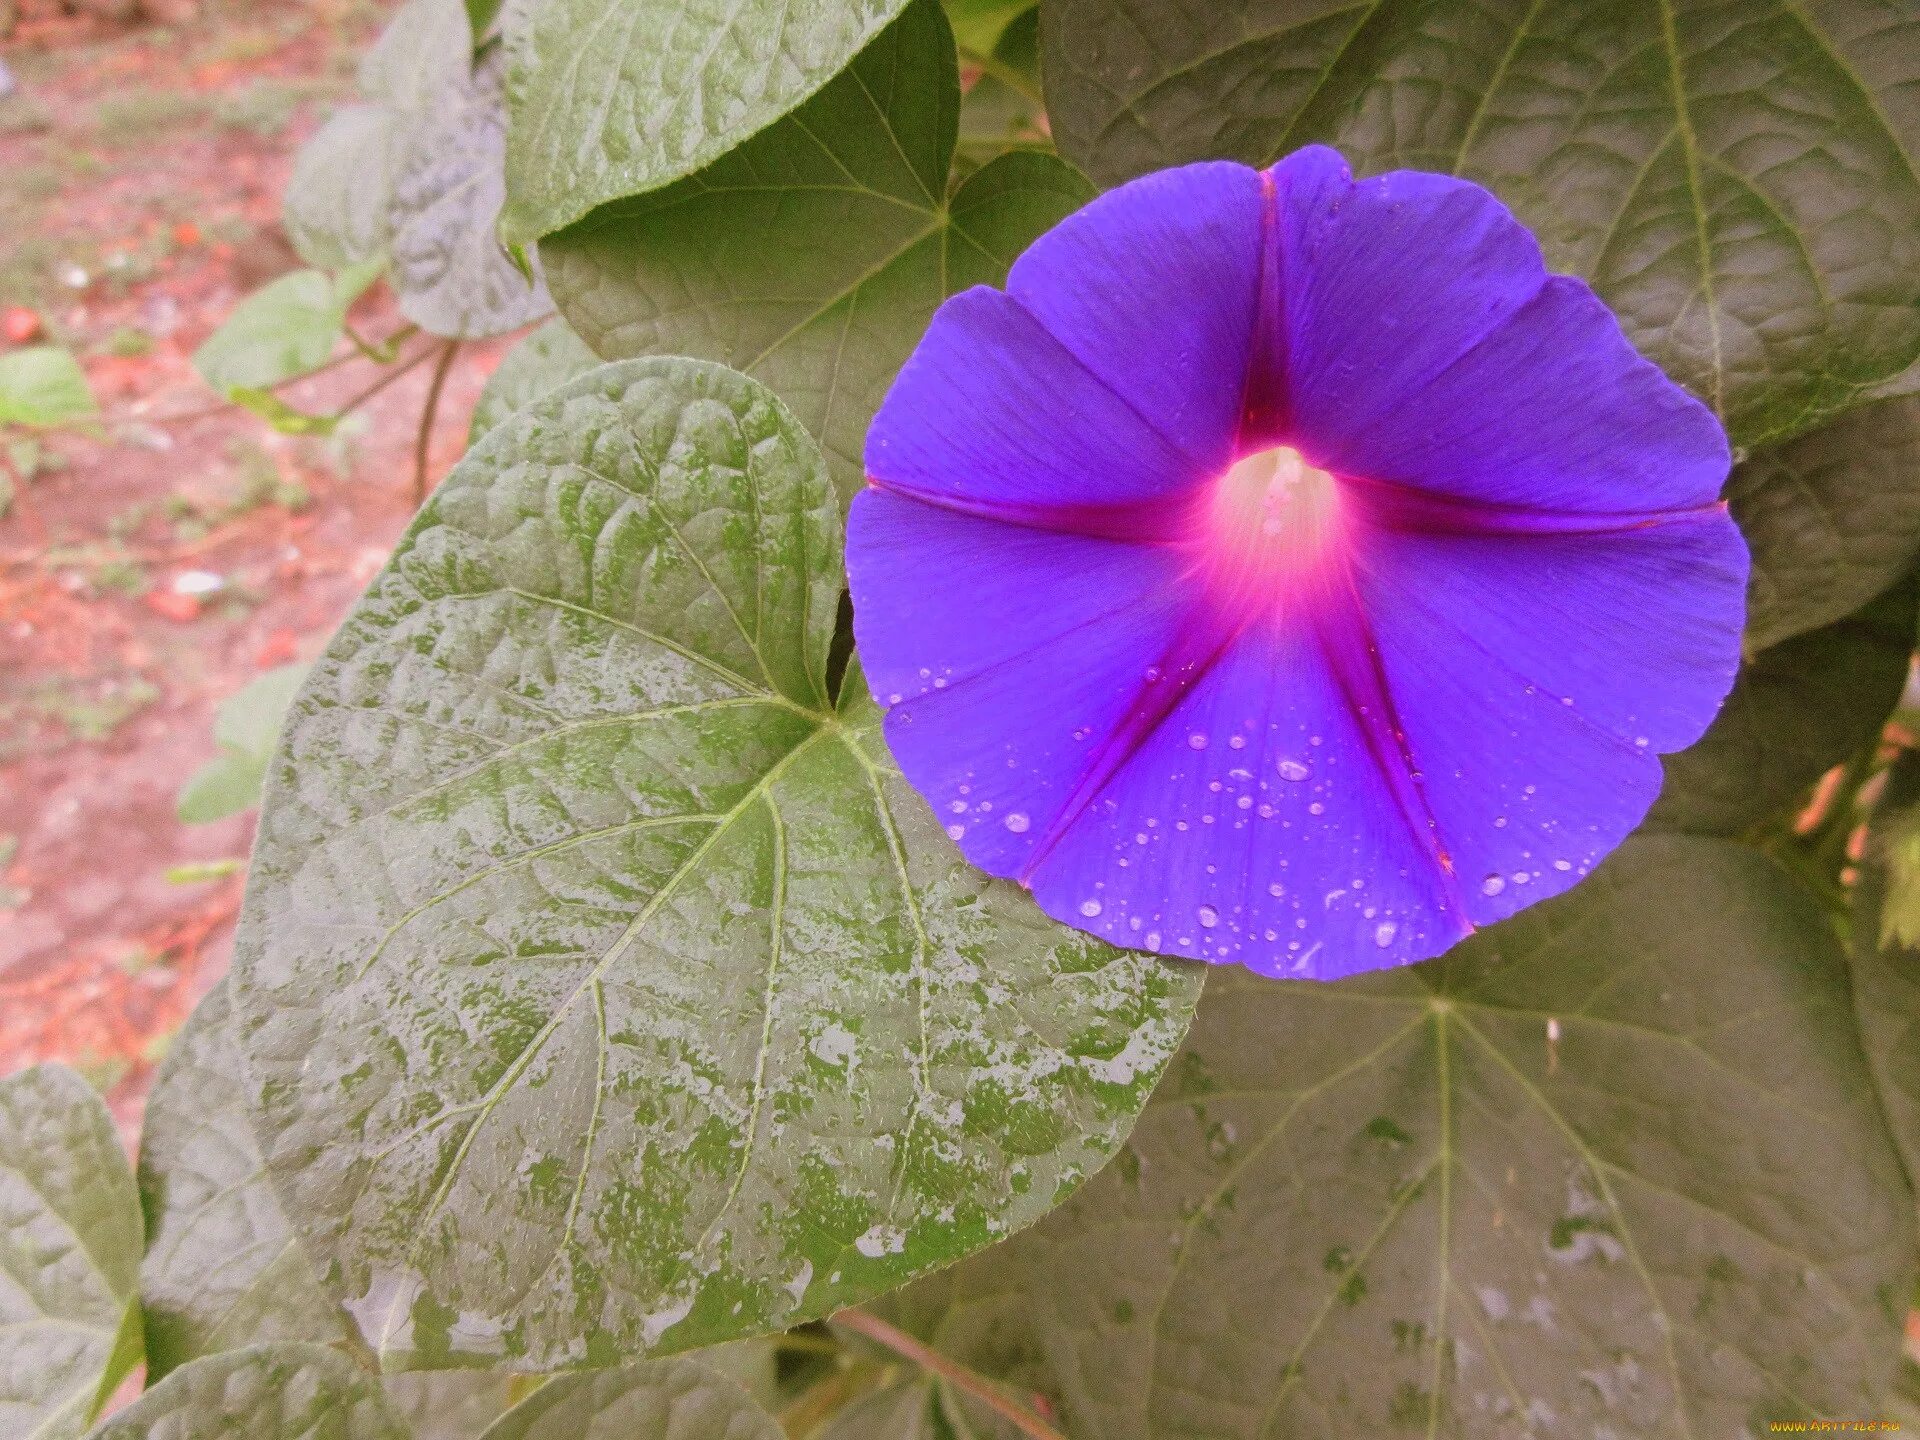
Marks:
<point>1739,178</point>
<point>267,1392</point>
<point>615,97</point>
<point>1613,1167</point>
<point>69,1256</point>
<point>223,1268</point>
<point>1832,519</point>
<point>813,256</point>
<point>337,209</point>
<point>674,1399</point>
<point>604,989</point>
<point>1797,710</point>
<point>542,361</point>
<point>452,274</point>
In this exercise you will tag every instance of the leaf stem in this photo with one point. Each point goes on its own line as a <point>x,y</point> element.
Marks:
<point>954,1373</point>
<point>422,440</point>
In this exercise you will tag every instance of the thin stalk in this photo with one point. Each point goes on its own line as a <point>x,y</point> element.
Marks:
<point>422,441</point>
<point>954,1373</point>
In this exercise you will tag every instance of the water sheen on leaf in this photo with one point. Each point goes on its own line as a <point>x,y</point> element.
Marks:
<point>69,1252</point>
<point>266,1392</point>
<point>604,989</point>
<point>616,97</point>
<point>1832,519</point>
<point>813,256</point>
<point>1614,1166</point>
<point>223,1268</point>
<point>1797,709</point>
<point>1740,179</point>
<point>675,1399</point>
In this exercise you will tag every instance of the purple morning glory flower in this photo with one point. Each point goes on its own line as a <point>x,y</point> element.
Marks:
<point>1290,571</point>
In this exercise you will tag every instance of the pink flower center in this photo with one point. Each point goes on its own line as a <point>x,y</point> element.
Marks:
<point>1268,526</point>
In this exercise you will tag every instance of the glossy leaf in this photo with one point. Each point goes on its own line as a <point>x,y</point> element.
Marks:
<point>674,1399</point>
<point>338,202</point>
<point>284,329</point>
<point>1832,519</point>
<point>223,1268</point>
<point>69,1254</point>
<point>452,274</point>
<point>542,361</point>
<point>266,1392</point>
<point>604,990</point>
<point>42,386</point>
<point>1886,963</point>
<point>1797,710</point>
<point>1612,1166</point>
<point>616,97</point>
<point>813,256</point>
<point>1740,179</point>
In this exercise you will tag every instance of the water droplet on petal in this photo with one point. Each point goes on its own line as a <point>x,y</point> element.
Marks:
<point>1276,889</point>
<point>1293,770</point>
<point>1563,865</point>
<point>958,807</point>
<point>1384,932</point>
<point>1017,821</point>
<point>954,832</point>
<point>1492,885</point>
<point>1197,741</point>
<point>1090,908</point>
<point>1209,917</point>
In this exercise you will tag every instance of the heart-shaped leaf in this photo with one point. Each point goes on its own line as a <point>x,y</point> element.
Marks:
<point>69,1255</point>
<point>605,988</point>
<point>1797,710</point>
<point>1740,181</point>
<point>425,48</point>
<point>286,328</point>
<point>452,274</point>
<point>337,209</point>
<point>1614,1166</point>
<point>616,97</point>
<point>267,1392</point>
<point>542,361</point>
<point>1832,518</point>
<point>813,256</point>
<point>223,1268</point>
<point>674,1399</point>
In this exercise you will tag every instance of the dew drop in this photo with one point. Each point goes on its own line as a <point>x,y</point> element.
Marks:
<point>1316,808</point>
<point>1153,941</point>
<point>1152,673</point>
<point>954,832</point>
<point>1293,770</point>
<point>1209,917</point>
<point>1276,889</point>
<point>1197,741</point>
<point>1017,821</point>
<point>1238,742</point>
<point>958,807</point>
<point>1384,932</point>
<point>1090,908</point>
<point>1492,885</point>
<point>1563,865</point>
<point>1245,802</point>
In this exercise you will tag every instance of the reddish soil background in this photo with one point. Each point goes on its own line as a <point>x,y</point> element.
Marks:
<point>141,166</point>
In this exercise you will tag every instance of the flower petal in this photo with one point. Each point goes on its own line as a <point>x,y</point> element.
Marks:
<point>1155,287</point>
<point>1287,852</point>
<point>993,415</point>
<point>1636,630</point>
<point>998,705</point>
<point>1427,346</point>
